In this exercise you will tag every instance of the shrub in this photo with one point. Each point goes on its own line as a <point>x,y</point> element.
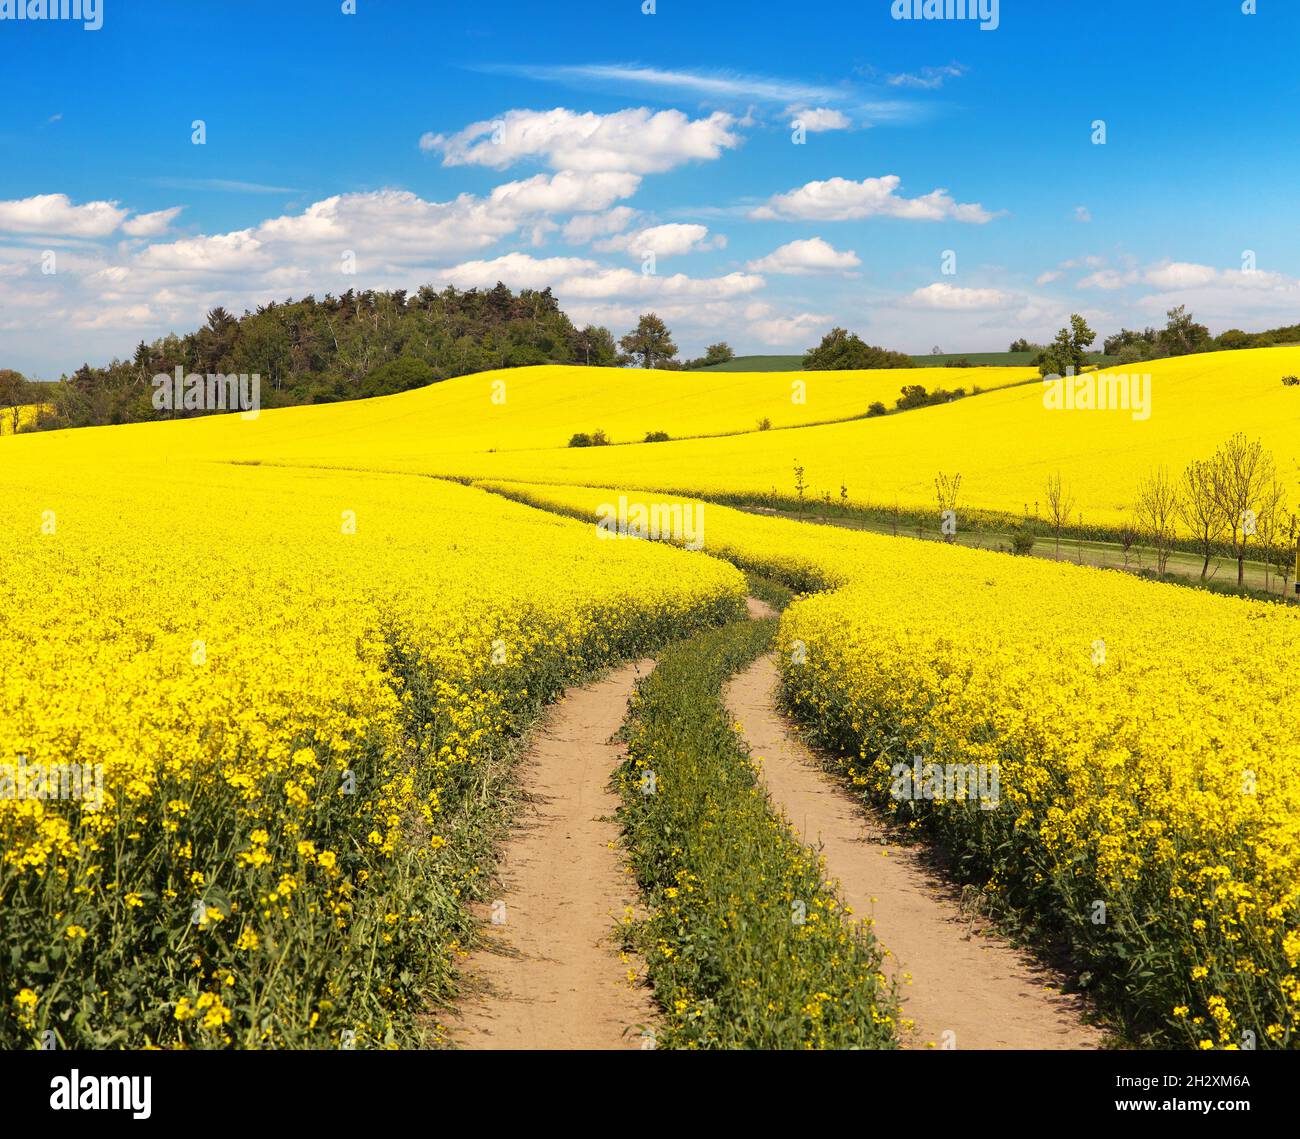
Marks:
<point>1022,541</point>
<point>1290,381</point>
<point>765,424</point>
<point>657,437</point>
<point>877,408</point>
<point>592,439</point>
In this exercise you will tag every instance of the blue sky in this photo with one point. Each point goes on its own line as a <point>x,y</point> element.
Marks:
<point>562,143</point>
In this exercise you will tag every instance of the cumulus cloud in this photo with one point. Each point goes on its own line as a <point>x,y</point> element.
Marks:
<point>587,227</point>
<point>54,215</point>
<point>812,255</point>
<point>151,225</point>
<point>840,199</point>
<point>775,329</point>
<point>945,296</point>
<point>663,240</point>
<point>636,140</point>
<point>1181,275</point>
<point>583,278</point>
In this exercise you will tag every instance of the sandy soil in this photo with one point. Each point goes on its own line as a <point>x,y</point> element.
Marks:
<point>550,976</point>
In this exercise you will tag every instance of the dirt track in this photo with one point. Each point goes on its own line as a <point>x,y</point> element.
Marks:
<point>964,979</point>
<point>551,977</point>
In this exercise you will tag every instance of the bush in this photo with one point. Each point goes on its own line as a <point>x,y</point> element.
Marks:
<point>875,409</point>
<point>1022,541</point>
<point>594,439</point>
<point>765,424</point>
<point>1290,381</point>
<point>657,437</point>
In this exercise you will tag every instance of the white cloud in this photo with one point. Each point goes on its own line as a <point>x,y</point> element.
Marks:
<point>636,140</point>
<point>583,228</point>
<point>1082,214</point>
<point>839,199</point>
<point>568,191</point>
<point>816,119</point>
<point>151,225</point>
<point>1180,275</point>
<point>945,296</point>
<point>784,330</point>
<point>54,215</point>
<point>585,279</point>
<point>1048,277</point>
<point>663,240</point>
<point>1110,279</point>
<point>812,255</point>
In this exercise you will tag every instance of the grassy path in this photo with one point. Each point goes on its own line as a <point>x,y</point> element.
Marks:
<point>961,985</point>
<point>744,937</point>
<point>550,976</point>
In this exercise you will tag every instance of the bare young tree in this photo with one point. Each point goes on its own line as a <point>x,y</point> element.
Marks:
<point>1059,504</point>
<point>946,490</point>
<point>1242,469</point>
<point>1157,509</point>
<point>1270,525</point>
<point>1128,535</point>
<point>1198,507</point>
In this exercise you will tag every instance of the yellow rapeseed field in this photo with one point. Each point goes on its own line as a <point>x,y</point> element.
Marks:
<point>1004,443</point>
<point>434,430</point>
<point>1143,738</point>
<point>249,715</point>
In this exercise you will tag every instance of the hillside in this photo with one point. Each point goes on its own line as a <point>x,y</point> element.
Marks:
<point>1004,443</point>
<point>522,409</point>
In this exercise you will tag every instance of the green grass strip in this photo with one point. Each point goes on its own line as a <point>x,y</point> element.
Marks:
<point>744,938</point>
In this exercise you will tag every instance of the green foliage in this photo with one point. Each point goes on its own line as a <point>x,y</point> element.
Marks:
<point>650,342</point>
<point>589,439</point>
<point>914,395</point>
<point>876,408</point>
<point>1068,350</point>
<point>840,350</point>
<point>714,355</point>
<point>1022,539</point>
<point>787,973</point>
<point>337,348</point>
<point>656,436</point>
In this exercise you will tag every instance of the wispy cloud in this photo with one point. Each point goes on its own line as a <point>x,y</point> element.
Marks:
<point>719,86</point>
<point>928,78</point>
<point>224,185</point>
<point>713,84</point>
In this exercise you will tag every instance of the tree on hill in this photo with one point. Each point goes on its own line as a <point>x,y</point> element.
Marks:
<point>1068,350</point>
<point>718,353</point>
<point>597,347</point>
<point>841,349</point>
<point>15,391</point>
<point>649,341</point>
